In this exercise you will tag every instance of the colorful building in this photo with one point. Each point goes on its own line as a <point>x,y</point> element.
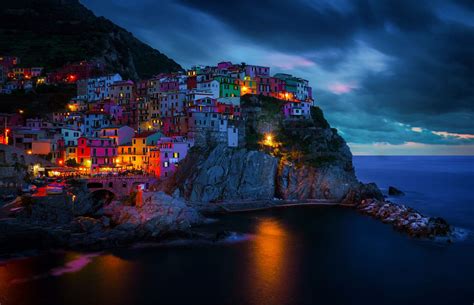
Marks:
<point>164,158</point>
<point>119,134</point>
<point>135,154</point>
<point>122,92</point>
<point>228,86</point>
<point>248,86</point>
<point>96,154</point>
<point>297,109</point>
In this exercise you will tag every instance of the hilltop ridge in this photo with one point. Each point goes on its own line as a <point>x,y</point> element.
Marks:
<point>51,33</point>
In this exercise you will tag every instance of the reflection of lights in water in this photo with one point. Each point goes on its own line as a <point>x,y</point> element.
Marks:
<point>77,263</point>
<point>12,274</point>
<point>270,259</point>
<point>116,274</point>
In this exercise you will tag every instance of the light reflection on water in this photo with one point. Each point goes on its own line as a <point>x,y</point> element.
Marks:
<point>269,277</point>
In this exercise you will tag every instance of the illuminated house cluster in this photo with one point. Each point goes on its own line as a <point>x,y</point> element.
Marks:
<point>114,124</point>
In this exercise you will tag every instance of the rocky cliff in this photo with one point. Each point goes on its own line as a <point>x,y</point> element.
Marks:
<point>307,159</point>
<point>51,33</point>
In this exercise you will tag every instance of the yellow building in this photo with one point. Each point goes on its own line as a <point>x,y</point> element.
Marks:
<point>71,153</point>
<point>135,154</point>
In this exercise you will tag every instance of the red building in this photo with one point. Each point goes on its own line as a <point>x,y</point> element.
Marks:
<point>270,86</point>
<point>229,110</point>
<point>191,82</point>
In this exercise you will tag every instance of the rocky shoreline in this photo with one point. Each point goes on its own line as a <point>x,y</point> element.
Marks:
<point>90,226</point>
<point>406,219</point>
<point>56,223</point>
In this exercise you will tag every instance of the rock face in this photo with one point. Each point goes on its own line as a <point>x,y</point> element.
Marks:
<point>160,213</point>
<point>331,182</point>
<point>54,223</point>
<point>228,174</point>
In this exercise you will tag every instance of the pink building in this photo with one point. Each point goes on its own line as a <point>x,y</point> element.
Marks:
<point>96,153</point>
<point>270,86</point>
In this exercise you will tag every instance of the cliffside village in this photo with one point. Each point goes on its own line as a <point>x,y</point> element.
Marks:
<point>115,125</point>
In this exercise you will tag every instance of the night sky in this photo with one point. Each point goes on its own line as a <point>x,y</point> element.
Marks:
<point>395,77</point>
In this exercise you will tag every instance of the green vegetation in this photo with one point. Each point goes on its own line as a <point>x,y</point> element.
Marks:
<point>302,142</point>
<point>252,138</point>
<point>318,118</point>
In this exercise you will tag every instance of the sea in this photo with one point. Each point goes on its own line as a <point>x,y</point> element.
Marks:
<point>301,255</point>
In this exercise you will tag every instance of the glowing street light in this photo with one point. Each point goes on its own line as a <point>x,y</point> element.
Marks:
<point>268,140</point>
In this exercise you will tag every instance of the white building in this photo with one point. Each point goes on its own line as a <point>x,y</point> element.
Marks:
<point>209,86</point>
<point>98,88</point>
<point>70,136</point>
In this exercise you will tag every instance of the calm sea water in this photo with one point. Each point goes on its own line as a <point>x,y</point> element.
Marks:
<point>308,255</point>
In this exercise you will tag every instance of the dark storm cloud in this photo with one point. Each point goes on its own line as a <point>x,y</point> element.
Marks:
<point>396,64</point>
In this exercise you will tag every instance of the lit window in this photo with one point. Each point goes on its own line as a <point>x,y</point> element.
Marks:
<point>175,155</point>
<point>166,164</point>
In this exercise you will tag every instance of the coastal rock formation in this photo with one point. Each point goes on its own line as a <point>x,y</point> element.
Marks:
<point>160,213</point>
<point>305,182</point>
<point>227,174</point>
<point>405,219</point>
<point>48,224</point>
<point>309,160</point>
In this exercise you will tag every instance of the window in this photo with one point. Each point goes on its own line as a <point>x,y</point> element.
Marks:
<point>176,155</point>
<point>166,164</point>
